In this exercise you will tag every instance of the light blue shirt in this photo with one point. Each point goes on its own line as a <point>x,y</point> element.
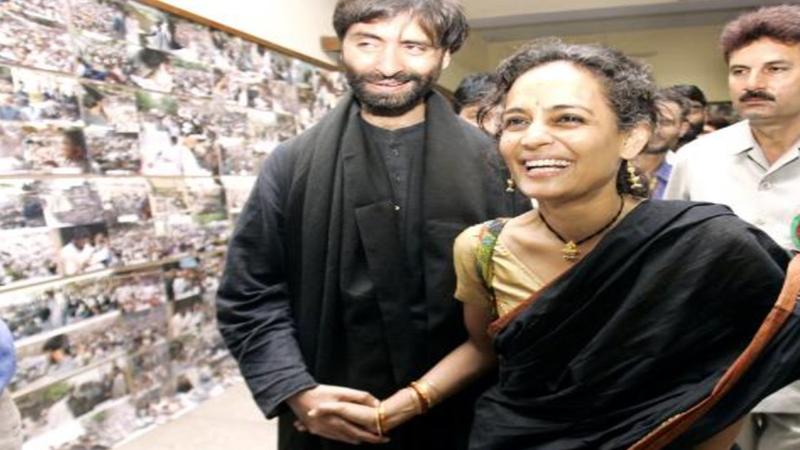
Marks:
<point>8,361</point>
<point>662,178</point>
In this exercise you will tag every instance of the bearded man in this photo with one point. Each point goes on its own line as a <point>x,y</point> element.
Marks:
<point>339,281</point>
<point>671,110</point>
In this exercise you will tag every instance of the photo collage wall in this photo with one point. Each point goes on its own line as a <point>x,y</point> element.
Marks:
<point>129,141</point>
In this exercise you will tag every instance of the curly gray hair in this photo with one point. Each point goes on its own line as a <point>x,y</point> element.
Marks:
<point>629,85</point>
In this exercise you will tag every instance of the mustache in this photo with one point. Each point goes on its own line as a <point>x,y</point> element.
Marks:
<point>400,77</point>
<point>756,95</point>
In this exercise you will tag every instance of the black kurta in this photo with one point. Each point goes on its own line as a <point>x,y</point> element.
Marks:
<point>317,252</point>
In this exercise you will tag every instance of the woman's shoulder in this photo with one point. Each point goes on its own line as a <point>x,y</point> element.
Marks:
<point>473,237</point>
<point>489,227</point>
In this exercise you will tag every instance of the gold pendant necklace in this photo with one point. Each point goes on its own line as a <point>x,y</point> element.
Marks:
<point>570,251</point>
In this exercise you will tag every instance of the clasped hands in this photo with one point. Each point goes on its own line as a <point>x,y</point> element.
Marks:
<point>354,416</point>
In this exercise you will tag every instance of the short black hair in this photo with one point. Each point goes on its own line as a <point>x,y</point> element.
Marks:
<point>675,96</point>
<point>57,342</point>
<point>81,233</point>
<point>443,20</point>
<point>691,92</point>
<point>473,89</point>
<point>152,58</point>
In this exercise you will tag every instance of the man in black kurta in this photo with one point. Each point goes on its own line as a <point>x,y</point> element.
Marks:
<point>339,272</point>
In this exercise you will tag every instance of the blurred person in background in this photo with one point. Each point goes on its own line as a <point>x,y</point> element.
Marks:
<point>469,95</point>
<point>10,421</point>
<point>671,111</point>
<point>697,112</point>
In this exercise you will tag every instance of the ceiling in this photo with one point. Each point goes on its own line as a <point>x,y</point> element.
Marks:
<point>511,20</point>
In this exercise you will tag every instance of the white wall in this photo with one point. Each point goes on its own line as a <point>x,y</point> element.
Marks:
<point>687,55</point>
<point>471,58</point>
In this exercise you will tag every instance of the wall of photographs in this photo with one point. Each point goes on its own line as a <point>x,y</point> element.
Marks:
<point>129,140</point>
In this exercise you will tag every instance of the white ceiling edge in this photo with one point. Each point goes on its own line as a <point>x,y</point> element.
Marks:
<point>599,20</point>
<point>619,24</point>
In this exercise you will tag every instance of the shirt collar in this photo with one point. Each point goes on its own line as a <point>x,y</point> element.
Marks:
<point>742,142</point>
<point>664,170</point>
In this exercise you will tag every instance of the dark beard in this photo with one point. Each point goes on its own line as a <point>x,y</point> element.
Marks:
<point>694,131</point>
<point>391,105</point>
<point>655,151</point>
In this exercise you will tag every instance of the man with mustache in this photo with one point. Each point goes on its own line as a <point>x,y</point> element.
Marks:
<point>753,166</point>
<point>339,281</point>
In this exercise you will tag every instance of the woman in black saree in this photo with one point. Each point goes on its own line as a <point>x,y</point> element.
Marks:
<point>618,323</point>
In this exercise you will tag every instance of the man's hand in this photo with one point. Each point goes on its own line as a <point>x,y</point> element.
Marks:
<point>331,425</point>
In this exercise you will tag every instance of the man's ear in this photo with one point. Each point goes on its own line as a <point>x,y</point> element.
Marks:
<point>446,59</point>
<point>636,140</point>
<point>685,127</point>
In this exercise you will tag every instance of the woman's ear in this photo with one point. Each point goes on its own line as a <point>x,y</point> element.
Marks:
<point>636,140</point>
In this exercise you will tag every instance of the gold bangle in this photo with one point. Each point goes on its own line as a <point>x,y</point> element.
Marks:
<point>416,399</point>
<point>430,389</point>
<point>424,401</point>
<point>379,418</point>
<point>427,392</point>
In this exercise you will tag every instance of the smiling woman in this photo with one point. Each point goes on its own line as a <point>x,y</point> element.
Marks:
<point>597,292</point>
<point>616,319</point>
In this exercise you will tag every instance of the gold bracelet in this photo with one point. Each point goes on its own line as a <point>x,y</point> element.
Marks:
<point>380,419</point>
<point>424,401</point>
<point>430,389</point>
<point>426,389</point>
<point>416,399</point>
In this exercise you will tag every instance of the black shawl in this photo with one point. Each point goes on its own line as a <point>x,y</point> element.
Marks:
<point>650,341</point>
<point>319,235</point>
<point>340,204</point>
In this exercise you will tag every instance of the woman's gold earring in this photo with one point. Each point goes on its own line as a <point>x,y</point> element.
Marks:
<point>635,181</point>
<point>510,185</point>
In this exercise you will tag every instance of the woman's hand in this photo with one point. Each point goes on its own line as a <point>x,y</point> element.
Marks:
<point>396,410</point>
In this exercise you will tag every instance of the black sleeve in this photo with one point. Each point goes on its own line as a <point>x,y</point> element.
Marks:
<point>253,307</point>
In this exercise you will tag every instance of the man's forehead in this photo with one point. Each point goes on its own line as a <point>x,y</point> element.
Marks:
<point>401,26</point>
<point>764,50</point>
<point>668,108</point>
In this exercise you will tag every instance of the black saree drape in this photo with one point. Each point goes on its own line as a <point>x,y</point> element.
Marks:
<point>615,352</point>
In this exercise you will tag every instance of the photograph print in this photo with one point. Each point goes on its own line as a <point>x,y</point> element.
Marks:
<point>20,204</point>
<point>27,254</point>
<point>34,41</point>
